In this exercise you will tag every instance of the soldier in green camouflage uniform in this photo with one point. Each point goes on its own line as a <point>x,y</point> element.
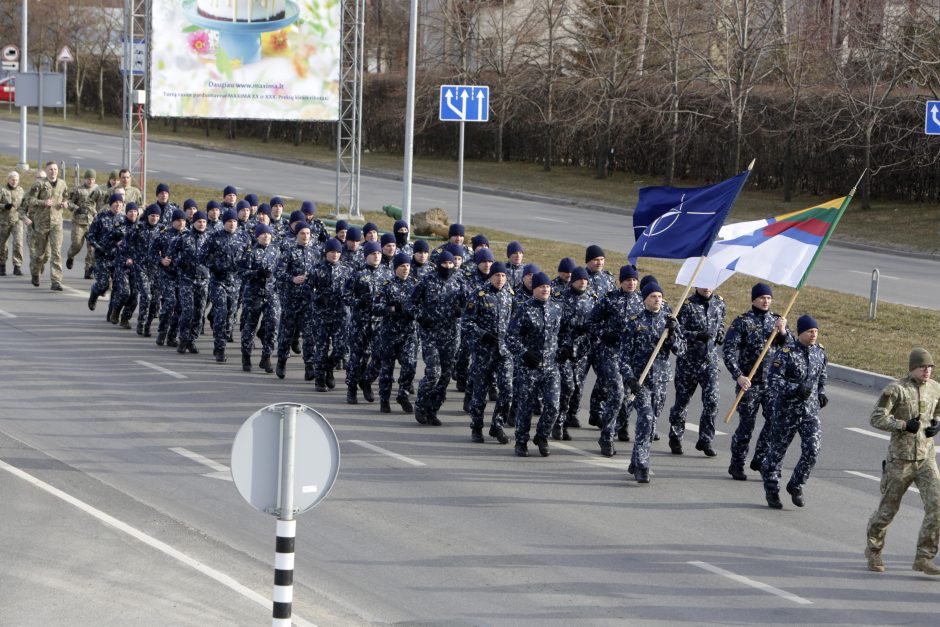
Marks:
<point>44,205</point>
<point>83,201</point>
<point>11,197</point>
<point>103,193</point>
<point>909,409</point>
<point>131,193</point>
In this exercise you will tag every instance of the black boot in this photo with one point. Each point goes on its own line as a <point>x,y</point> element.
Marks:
<point>92,300</point>
<point>737,473</point>
<point>573,422</point>
<point>420,416</point>
<point>351,395</point>
<point>773,500</point>
<point>220,355</point>
<point>308,375</point>
<point>499,434</point>
<point>476,435</point>
<point>385,406</point>
<point>125,324</point>
<point>140,328</point>
<point>796,494</point>
<point>542,442</point>
<point>171,342</point>
<point>607,448</point>
<point>624,435</point>
<point>182,347</point>
<point>3,269</point>
<point>521,449</point>
<point>295,346</point>
<point>402,399</point>
<point>17,271</point>
<point>265,364</point>
<point>68,263</point>
<point>113,315</point>
<point>161,339</point>
<point>556,431</point>
<point>281,369</point>
<point>246,362</point>
<point>367,392</point>
<point>147,330</point>
<point>191,348</point>
<point>675,446</point>
<point>329,380</point>
<point>319,385</point>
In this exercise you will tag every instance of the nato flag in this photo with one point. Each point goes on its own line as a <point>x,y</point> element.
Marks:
<point>677,223</point>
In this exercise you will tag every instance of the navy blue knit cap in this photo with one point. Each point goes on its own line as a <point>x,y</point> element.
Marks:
<point>479,240</point>
<point>647,279</point>
<point>513,248</point>
<point>497,268</point>
<point>651,287</point>
<point>399,224</point>
<point>229,214</point>
<point>593,252</point>
<point>368,226</point>
<point>115,198</point>
<point>297,216</point>
<point>387,238</point>
<point>805,323</point>
<point>371,247</point>
<point>200,215</point>
<point>152,210</point>
<point>628,272</point>
<point>567,264</point>
<point>177,215</point>
<point>242,204</point>
<point>444,256</point>
<point>229,189</point>
<point>455,249</point>
<point>484,254</point>
<point>301,226</point>
<point>455,229</point>
<point>263,228</point>
<point>212,205</point>
<point>131,206</point>
<point>277,201</point>
<point>539,279</point>
<point>163,187</point>
<point>252,199</point>
<point>265,208</point>
<point>310,208</point>
<point>400,259</point>
<point>530,268</point>
<point>354,234</point>
<point>761,289</point>
<point>333,245</point>
<point>579,273</point>
<point>189,202</point>
<point>421,246</point>
<point>342,225</point>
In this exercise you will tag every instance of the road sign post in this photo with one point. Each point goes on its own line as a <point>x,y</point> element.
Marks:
<point>65,57</point>
<point>270,475</point>
<point>463,103</point>
<point>932,117</point>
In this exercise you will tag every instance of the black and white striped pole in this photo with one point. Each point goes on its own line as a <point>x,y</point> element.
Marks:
<point>275,480</point>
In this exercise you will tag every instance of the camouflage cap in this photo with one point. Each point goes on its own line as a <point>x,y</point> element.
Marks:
<point>114,175</point>
<point>919,357</point>
<point>90,174</point>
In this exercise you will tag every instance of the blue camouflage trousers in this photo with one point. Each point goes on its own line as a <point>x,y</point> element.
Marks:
<point>169,308</point>
<point>401,347</point>
<point>754,399</point>
<point>224,297</point>
<point>439,352</point>
<point>572,374</point>
<point>192,299</point>
<point>263,309</point>
<point>530,384</point>
<point>123,291</point>
<point>148,297</point>
<point>487,366</point>
<point>782,430</point>
<point>689,375</point>
<point>360,367</point>
<point>324,342</point>
<point>294,311</point>
<point>646,411</point>
<point>103,269</point>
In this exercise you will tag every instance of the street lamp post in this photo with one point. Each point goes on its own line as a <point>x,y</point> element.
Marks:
<point>409,111</point>
<point>24,67</point>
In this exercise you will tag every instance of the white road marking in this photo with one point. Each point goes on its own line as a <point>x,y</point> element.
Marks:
<point>220,471</point>
<point>190,178</point>
<point>88,151</point>
<point>882,276</point>
<point>74,292</point>
<point>549,220</point>
<point>747,581</point>
<point>874,478</point>
<point>147,364</point>
<point>6,314</point>
<point>164,548</point>
<point>571,449</point>
<point>880,436</point>
<point>694,428</point>
<point>238,167</point>
<point>379,449</point>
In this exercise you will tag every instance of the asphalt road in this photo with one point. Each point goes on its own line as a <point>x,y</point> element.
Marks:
<point>904,280</point>
<point>422,527</point>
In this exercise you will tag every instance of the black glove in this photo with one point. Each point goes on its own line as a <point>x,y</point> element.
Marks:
<point>185,266</point>
<point>610,338</point>
<point>671,323</point>
<point>264,273</point>
<point>912,426</point>
<point>218,274</point>
<point>532,359</point>
<point>8,206</point>
<point>397,308</point>
<point>932,429</point>
<point>719,338</point>
<point>365,301</point>
<point>780,339</point>
<point>823,400</point>
<point>323,300</point>
<point>804,391</point>
<point>424,323</point>
<point>563,354</point>
<point>489,339</point>
<point>117,236</point>
<point>634,386</point>
<point>702,336</point>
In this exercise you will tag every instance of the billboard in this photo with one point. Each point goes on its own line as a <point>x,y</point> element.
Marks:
<point>247,59</point>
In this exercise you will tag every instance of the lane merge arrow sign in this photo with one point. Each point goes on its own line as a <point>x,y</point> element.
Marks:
<point>932,118</point>
<point>464,103</point>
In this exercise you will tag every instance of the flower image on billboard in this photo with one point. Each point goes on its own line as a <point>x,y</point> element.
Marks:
<point>245,59</point>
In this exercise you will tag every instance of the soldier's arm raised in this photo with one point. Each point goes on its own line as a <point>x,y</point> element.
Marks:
<point>882,417</point>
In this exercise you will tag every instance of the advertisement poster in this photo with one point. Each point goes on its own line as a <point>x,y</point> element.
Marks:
<point>246,59</point>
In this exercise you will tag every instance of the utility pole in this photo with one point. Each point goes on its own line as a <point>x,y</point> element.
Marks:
<point>24,67</point>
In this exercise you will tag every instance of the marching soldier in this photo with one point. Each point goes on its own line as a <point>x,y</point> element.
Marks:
<point>105,233</point>
<point>909,409</point>
<point>82,201</point>
<point>260,298</point>
<point>396,339</point>
<point>574,344</point>
<point>325,329</point>
<point>293,268</point>
<point>11,199</point>
<point>131,193</point>
<point>361,290</point>
<point>44,205</point>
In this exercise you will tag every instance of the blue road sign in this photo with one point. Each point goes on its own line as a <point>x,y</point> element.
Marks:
<point>464,103</point>
<point>932,118</point>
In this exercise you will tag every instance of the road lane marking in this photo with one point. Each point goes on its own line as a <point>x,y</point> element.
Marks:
<point>135,533</point>
<point>747,581</point>
<point>549,220</point>
<point>880,436</point>
<point>691,427</point>
<point>878,479</point>
<point>572,449</point>
<point>190,178</point>
<point>881,276</point>
<point>74,292</point>
<point>147,364</point>
<point>379,449</point>
<point>88,150</point>
<point>220,471</point>
<point>6,314</point>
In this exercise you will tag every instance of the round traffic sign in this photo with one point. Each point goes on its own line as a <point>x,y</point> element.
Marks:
<point>258,456</point>
<point>10,53</point>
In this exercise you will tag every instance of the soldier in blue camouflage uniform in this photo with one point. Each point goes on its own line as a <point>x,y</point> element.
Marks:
<point>145,268</point>
<point>396,338</point>
<point>164,204</point>
<point>560,283</point>
<point>123,287</point>
<point>352,251</point>
<point>455,236</point>
<point>361,291</point>
<point>437,303</point>
<point>638,341</point>
<point>489,311</point>
<point>222,255</point>
<point>389,248</point>
<point>341,230</point>
<point>608,319</point>
<point>260,298</point>
<point>279,222</point>
<point>574,344</point>
<point>401,231</point>
<point>474,276</point>
<point>169,295</point>
<point>325,329</point>
<point>370,232</point>
<point>744,342</point>
<point>797,385</point>
<point>532,338</point>
<point>702,318</point>
<point>479,241</point>
<point>318,233</point>
<point>293,269</point>
<point>104,235</point>
<point>192,281</point>
<point>514,265</point>
<point>190,208</point>
<point>213,217</point>
<point>419,260</point>
<point>600,283</point>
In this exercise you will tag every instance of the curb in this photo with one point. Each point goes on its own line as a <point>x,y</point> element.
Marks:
<point>858,377</point>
